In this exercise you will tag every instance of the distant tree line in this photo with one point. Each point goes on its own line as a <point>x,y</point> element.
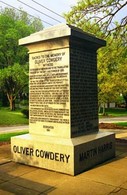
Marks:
<point>13,58</point>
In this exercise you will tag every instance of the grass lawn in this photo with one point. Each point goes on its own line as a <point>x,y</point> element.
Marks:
<point>4,137</point>
<point>121,124</point>
<point>115,112</point>
<point>8,118</point>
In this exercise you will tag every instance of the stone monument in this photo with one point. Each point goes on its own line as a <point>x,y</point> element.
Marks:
<point>63,124</point>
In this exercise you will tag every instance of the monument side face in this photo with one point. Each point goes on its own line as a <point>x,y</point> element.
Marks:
<point>83,85</point>
<point>49,98</point>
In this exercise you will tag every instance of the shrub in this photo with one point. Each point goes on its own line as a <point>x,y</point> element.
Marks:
<point>26,112</point>
<point>24,103</point>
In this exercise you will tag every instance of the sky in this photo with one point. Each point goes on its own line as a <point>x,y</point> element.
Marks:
<point>57,6</point>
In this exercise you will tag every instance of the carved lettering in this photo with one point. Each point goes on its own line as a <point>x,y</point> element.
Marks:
<point>49,88</point>
<point>49,155</point>
<point>95,151</point>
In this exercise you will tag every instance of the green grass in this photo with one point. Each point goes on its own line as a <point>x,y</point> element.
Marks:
<point>116,112</point>
<point>4,137</point>
<point>8,118</point>
<point>121,124</point>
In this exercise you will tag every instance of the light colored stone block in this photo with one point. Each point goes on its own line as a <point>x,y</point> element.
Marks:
<point>70,156</point>
<point>63,105</point>
<point>50,93</point>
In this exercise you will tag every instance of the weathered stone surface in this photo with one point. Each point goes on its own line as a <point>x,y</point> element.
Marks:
<point>70,156</point>
<point>63,133</point>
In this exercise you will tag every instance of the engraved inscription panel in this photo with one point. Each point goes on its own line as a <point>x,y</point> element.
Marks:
<point>49,91</point>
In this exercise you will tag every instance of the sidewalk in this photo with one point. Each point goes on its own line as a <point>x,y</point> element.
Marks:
<point>113,119</point>
<point>13,128</point>
<point>109,178</point>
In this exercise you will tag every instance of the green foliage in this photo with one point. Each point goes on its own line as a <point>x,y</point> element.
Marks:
<point>8,118</point>
<point>13,80</point>
<point>112,71</point>
<point>25,112</point>
<point>13,26</point>
<point>24,103</point>
<point>120,101</point>
<point>4,137</point>
<point>99,12</point>
<point>96,17</point>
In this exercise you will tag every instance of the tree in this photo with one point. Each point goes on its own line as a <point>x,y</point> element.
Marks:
<point>100,12</point>
<point>13,80</point>
<point>112,71</point>
<point>120,78</point>
<point>96,17</point>
<point>13,26</point>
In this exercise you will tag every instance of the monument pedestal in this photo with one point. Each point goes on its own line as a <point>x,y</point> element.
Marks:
<point>70,156</point>
<point>63,123</point>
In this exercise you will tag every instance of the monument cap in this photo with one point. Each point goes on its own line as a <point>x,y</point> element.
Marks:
<point>61,30</point>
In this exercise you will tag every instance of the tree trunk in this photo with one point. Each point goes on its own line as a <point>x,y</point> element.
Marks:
<point>11,101</point>
<point>103,109</point>
<point>12,105</point>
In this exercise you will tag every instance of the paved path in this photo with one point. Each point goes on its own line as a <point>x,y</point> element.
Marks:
<point>113,119</point>
<point>13,128</point>
<point>109,178</point>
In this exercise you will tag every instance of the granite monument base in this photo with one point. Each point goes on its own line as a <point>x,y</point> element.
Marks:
<point>70,156</point>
